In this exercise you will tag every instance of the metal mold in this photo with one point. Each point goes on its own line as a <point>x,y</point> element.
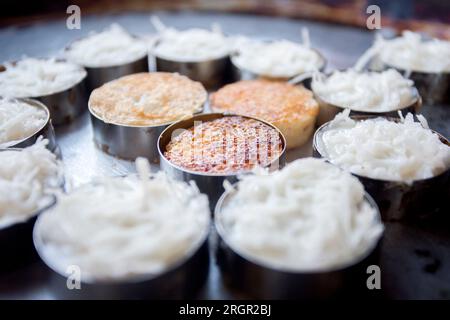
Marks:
<point>261,281</point>
<point>398,200</point>
<point>210,184</point>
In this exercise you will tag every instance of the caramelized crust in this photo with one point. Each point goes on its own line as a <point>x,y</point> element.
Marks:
<point>290,108</point>
<point>225,146</point>
<point>147,99</point>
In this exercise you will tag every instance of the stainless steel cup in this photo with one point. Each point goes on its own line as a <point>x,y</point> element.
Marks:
<point>16,242</point>
<point>255,279</point>
<point>434,87</point>
<point>240,73</point>
<point>182,280</point>
<point>211,73</point>
<point>64,105</point>
<point>101,75</point>
<point>97,76</point>
<point>210,184</point>
<point>328,110</point>
<point>127,141</point>
<point>46,131</point>
<point>398,200</point>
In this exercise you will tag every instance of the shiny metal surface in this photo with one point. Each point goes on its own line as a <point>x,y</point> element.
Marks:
<point>210,184</point>
<point>17,237</point>
<point>261,281</point>
<point>46,131</point>
<point>399,200</point>
<point>417,251</point>
<point>211,73</point>
<point>433,87</point>
<point>65,105</point>
<point>98,76</point>
<point>126,142</point>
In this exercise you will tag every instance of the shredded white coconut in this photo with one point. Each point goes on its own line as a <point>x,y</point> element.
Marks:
<point>120,227</point>
<point>191,45</point>
<point>382,149</point>
<point>112,47</point>
<point>31,77</point>
<point>278,59</point>
<point>366,91</point>
<point>28,178</point>
<point>412,52</point>
<point>309,216</point>
<point>19,120</point>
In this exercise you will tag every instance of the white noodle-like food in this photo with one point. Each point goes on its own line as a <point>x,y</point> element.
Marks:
<point>412,52</point>
<point>28,179</point>
<point>31,77</point>
<point>382,149</point>
<point>309,216</point>
<point>367,91</point>
<point>19,120</point>
<point>112,47</point>
<point>277,59</point>
<point>120,227</point>
<point>192,45</point>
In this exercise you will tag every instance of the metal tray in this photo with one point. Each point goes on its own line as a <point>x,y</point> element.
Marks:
<point>414,258</point>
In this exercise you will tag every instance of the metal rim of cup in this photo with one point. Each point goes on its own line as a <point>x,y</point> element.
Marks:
<point>415,103</point>
<point>221,230</point>
<point>3,68</point>
<point>68,48</point>
<point>40,249</point>
<point>37,104</point>
<point>258,75</point>
<point>324,127</point>
<point>212,116</point>
<point>162,57</point>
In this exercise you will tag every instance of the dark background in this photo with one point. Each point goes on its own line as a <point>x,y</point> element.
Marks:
<point>432,16</point>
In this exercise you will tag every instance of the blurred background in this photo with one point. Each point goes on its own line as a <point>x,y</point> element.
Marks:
<point>431,16</point>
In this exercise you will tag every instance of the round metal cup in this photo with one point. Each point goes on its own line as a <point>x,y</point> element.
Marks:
<point>240,73</point>
<point>328,110</point>
<point>434,87</point>
<point>182,280</point>
<point>260,280</point>
<point>46,131</point>
<point>212,73</point>
<point>64,105</point>
<point>101,75</point>
<point>16,241</point>
<point>398,200</point>
<point>127,141</point>
<point>209,184</point>
<point>97,76</point>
